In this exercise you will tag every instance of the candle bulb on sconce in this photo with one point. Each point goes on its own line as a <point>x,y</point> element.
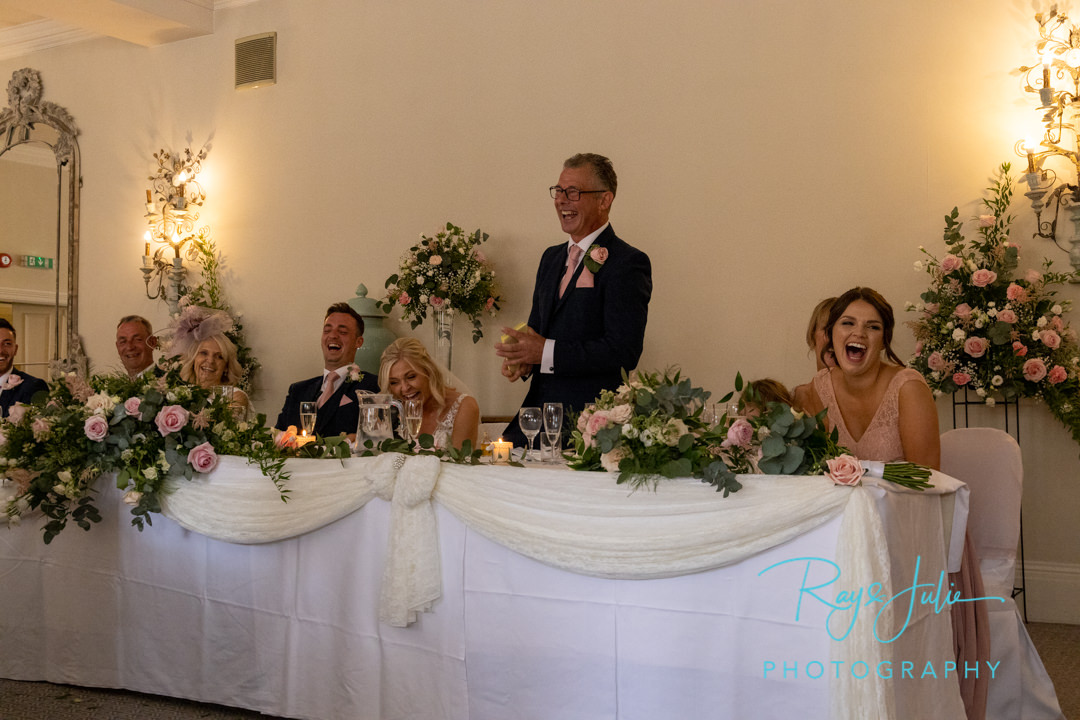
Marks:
<point>172,218</point>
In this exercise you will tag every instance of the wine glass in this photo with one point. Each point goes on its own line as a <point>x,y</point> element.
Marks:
<point>530,419</point>
<point>708,414</point>
<point>553,414</point>
<point>414,415</point>
<point>307,417</point>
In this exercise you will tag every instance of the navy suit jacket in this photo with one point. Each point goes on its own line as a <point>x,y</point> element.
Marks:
<point>340,413</point>
<point>23,392</point>
<point>598,331</point>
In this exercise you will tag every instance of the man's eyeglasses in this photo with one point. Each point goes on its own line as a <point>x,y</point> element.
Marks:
<point>570,193</point>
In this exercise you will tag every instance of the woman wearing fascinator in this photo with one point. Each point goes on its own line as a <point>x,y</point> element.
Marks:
<point>207,355</point>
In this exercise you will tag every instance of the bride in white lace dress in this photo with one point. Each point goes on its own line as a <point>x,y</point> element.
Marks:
<point>407,371</point>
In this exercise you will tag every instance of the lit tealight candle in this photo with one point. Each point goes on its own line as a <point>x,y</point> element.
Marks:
<point>500,451</point>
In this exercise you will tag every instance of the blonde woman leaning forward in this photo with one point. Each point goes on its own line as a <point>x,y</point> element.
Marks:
<point>407,371</point>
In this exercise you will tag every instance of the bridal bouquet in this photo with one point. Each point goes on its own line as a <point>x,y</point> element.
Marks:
<point>446,272</point>
<point>985,327</point>
<point>151,431</point>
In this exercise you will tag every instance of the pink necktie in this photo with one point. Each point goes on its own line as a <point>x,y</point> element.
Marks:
<point>328,388</point>
<point>571,265</point>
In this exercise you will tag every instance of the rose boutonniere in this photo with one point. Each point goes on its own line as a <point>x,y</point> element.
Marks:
<point>595,258</point>
<point>12,381</point>
<point>354,374</point>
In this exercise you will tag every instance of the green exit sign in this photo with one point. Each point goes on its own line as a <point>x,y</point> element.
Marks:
<point>35,261</point>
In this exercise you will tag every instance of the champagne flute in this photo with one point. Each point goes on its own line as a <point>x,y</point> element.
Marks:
<point>553,415</point>
<point>414,416</point>
<point>307,417</point>
<point>530,419</point>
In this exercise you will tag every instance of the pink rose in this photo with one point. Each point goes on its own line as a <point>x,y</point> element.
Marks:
<point>404,298</point>
<point>598,254</point>
<point>962,311</point>
<point>436,301</point>
<point>918,348</point>
<point>597,421</point>
<point>1016,293</point>
<point>170,419</point>
<point>986,221</point>
<point>1050,339</point>
<point>932,308</point>
<point>1034,370</point>
<point>961,378</point>
<point>480,257</point>
<point>1019,348</point>
<point>950,262</point>
<point>583,420</point>
<point>845,470</point>
<point>40,427</point>
<point>1007,316</point>
<point>935,361</point>
<point>490,303</point>
<point>621,413</point>
<point>739,434</point>
<point>976,346</point>
<point>131,406</point>
<point>1057,323</point>
<point>203,458</point>
<point>435,260</point>
<point>12,381</point>
<point>96,428</point>
<point>1057,375</point>
<point>16,413</point>
<point>983,277</point>
<point>1033,276</point>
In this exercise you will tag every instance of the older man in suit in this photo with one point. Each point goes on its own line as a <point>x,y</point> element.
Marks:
<point>334,390</point>
<point>590,302</point>
<point>135,343</point>
<point>15,385</point>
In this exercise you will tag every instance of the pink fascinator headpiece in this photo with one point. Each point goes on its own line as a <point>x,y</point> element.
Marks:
<point>195,324</point>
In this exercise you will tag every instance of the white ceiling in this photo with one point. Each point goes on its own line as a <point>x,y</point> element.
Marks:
<point>30,25</point>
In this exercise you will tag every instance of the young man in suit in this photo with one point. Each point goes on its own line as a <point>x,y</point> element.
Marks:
<point>339,411</point>
<point>590,303</point>
<point>135,343</point>
<point>15,385</point>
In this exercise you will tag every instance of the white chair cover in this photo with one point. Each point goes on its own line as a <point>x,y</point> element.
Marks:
<point>989,461</point>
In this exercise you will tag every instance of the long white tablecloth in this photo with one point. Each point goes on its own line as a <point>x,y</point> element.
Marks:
<point>291,627</point>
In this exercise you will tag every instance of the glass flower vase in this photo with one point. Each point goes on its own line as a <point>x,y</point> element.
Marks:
<point>443,323</point>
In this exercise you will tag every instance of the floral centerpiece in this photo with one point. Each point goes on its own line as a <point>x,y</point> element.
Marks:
<point>448,271</point>
<point>651,427</point>
<point>985,327</point>
<point>151,431</point>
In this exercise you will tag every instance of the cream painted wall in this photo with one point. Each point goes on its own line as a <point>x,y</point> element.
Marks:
<point>769,153</point>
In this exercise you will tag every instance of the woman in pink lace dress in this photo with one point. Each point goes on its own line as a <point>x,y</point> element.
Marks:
<point>885,411</point>
<point>406,370</point>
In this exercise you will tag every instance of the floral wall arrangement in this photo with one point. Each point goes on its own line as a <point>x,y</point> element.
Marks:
<point>987,327</point>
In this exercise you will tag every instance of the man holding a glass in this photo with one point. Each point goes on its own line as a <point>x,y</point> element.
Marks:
<point>332,395</point>
<point>590,302</point>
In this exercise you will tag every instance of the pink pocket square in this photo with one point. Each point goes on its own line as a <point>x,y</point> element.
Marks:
<point>585,279</point>
<point>345,400</point>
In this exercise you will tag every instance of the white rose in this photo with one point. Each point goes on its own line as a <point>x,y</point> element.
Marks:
<point>630,432</point>
<point>1056,309</point>
<point>131,497</point>
<point>1042,321</point>
<point>979,323</point>
<point>918,266</point>
<point>170,396</point>
<point>997,381</point>
<point>150,473</point>
<point>980,392</point>
<point>610,460</point>
<point>621,414</point>
<point>958,334</point>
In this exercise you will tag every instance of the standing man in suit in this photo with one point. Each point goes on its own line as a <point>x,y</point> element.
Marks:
<point>590,303</point>
<point>135,343</point>
<point>15,385</point>
<point>334,390</point>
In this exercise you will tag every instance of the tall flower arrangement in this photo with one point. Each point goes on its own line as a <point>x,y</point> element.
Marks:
<point>447,271</point>
<point>986,327</point>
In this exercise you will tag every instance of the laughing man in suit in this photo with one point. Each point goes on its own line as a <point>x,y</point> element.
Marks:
<point>590,303</point>
<point>342,335</point>
<point>15,385</point>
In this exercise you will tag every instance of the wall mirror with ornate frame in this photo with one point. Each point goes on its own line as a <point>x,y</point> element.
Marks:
<point>39,228</point>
